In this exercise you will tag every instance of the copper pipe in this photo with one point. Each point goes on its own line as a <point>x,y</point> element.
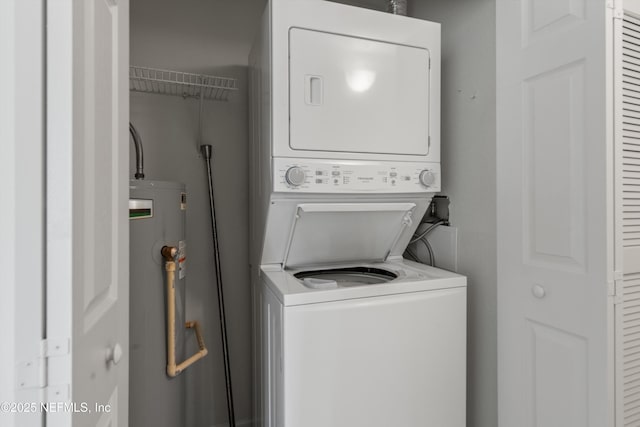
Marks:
<point>169,253</point>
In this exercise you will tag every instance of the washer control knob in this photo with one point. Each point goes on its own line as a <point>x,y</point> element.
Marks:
<point>427,178</point>
<point>295,176</point>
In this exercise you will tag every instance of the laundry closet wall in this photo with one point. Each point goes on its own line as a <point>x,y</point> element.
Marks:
<point>469,178</point>
<point>209,37</point>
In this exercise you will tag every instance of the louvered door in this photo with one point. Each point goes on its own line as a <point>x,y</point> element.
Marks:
<point>629,315</point>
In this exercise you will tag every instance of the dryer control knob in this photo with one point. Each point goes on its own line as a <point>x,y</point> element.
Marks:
<point>427,178</point>
<point>295,176</point>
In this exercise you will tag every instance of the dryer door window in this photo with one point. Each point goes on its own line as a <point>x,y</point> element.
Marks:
<point>348,94</point>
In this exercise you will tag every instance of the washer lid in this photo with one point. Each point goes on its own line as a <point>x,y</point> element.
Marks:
<point>344,232</point>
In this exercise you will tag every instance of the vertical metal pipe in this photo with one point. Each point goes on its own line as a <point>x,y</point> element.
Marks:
<point>206,153</point>
<point>397,7</point>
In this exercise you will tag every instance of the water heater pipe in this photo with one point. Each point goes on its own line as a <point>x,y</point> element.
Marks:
<point>137,142</point>
<point>397,7</point>
<point>206,153</point>
<point>173,369</point>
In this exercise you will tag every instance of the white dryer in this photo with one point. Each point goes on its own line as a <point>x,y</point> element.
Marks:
<point>345,157</point>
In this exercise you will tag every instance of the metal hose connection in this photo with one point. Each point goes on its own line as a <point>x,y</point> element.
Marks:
<point>397,7</point>
<point>137,142</point>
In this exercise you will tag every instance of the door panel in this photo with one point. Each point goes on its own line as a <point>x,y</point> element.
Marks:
<point>88,190</point>
<point>100,290</point>
<point>553,122</point>
<point>555,234</point>
<point>559,377</point>
<point>349,94</point>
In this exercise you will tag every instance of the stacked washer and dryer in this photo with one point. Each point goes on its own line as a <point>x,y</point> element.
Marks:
<point>345,157</point>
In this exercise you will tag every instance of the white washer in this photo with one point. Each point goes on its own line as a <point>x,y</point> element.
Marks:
<point>374,355</point>
<point>362,343</point>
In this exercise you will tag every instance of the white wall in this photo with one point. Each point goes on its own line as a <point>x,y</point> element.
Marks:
<point>9,212</point>
<point>22,194</point>
<point>211,37</point>
<point>469,178</point>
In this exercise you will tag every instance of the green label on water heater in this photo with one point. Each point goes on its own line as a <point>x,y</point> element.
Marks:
<point>140,208</point>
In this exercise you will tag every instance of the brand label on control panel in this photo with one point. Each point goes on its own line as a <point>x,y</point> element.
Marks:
<point>333,176</point>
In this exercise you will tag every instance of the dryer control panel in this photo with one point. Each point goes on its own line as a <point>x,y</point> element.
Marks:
<point>345,176</point>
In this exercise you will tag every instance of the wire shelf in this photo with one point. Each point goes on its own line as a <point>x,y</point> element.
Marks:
<point>177,83</point>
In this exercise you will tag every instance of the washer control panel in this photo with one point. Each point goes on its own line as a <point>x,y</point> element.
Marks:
<point>347,176</point>
<point>295,176</point>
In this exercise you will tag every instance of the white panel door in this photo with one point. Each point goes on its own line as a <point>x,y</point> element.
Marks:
<point>555,209</point>
<point>87,193</point>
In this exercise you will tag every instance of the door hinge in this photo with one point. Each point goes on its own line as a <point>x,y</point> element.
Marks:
<point>56,393</point>
<point>616,7</point>
<point>619,298</point>
<point>33,373</point>
<point>55,347</point>
<point>616,288</point>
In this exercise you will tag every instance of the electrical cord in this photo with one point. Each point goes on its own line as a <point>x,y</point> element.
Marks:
<point>427,231</point>
<point>413,255</point>
<point>432,256</point>
<point>416,257</point>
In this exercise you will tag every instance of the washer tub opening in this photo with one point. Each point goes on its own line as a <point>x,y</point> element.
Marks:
<point>349,276</point>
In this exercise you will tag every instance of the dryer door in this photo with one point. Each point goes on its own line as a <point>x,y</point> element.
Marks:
<point>349,94</point>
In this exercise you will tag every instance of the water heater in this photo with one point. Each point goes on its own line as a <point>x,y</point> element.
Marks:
<point>157,212</point>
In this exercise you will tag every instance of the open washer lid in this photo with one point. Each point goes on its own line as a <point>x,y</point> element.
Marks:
<point>345,232</point>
